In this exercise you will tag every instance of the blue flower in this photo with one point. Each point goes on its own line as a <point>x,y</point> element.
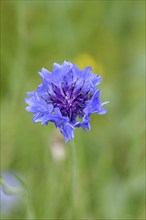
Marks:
<point>67,97</point>
<point>10,201</point>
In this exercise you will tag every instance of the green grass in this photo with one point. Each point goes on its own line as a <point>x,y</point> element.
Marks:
<point>111,157</point>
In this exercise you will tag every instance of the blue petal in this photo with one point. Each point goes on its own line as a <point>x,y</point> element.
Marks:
<point>68,131</point>
<point>85,123</point>
<point>29,101</point>
<point>86,72</point>
<point>95,79</point>
<point>37,104</point>
<point>94,105</point>
<point>45,73</point>
<point>60,121</point>
<point>30,93</point>
<point>60,71</point>
<point>37,116</point>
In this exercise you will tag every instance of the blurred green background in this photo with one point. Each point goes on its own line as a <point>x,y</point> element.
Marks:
<point>109,36</point>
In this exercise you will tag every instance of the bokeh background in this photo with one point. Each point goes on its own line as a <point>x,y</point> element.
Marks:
<point>110,37</point>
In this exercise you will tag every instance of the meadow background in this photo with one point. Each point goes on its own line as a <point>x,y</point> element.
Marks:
<point>109,36</point>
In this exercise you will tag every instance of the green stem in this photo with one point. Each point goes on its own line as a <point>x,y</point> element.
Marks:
<point>73,175</point>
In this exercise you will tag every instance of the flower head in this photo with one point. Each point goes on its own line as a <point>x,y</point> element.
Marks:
<point>65,96</point>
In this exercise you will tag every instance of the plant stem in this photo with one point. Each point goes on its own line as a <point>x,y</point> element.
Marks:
<point>73,175</point>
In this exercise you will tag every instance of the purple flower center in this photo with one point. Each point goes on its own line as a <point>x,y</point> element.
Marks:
<point>69,98</point>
